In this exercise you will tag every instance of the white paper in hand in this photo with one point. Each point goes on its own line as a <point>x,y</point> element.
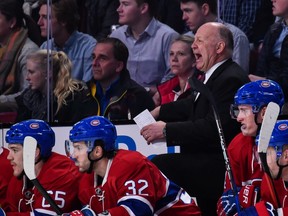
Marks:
<point>145,118</point>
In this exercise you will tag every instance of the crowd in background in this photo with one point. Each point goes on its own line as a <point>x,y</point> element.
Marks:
<point>115,58</point>
<point>148,33</point>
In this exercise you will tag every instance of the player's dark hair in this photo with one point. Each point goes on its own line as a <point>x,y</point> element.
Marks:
<point>106,154</point>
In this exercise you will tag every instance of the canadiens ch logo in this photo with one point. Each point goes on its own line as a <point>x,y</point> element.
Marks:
<point>95,122</point>
<point>265,84</point>
<point>34,126</point>
<point>283,127</point>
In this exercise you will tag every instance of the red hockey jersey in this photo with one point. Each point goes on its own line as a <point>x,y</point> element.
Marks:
<point>134,186</point>
<point>244,161</point>
<point>5,174</point>
<point>267,193</point>
<point>59,177</point>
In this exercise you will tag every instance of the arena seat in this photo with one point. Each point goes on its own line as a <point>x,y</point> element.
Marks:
<point>8,117</point>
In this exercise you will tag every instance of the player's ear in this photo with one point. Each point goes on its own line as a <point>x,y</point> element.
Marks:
<point>285,155</point>
<point>37,153</point>
<point>262,112</point>
<point>97,152</point>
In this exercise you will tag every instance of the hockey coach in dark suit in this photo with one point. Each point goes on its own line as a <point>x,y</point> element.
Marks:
<point>190,123</point>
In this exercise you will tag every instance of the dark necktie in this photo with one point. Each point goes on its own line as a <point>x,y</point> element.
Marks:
<point>195,81</point>
<point>201,76</point>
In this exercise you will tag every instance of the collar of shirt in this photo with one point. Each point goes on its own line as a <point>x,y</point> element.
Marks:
<point>104,98</point>
<point>177,90</point>
<point>209,73</point>
<point>278,43</point>
<point>284,25</point>
<point>110,161</point>
<point>219,20</point>
<point>68,43</point>
<point>149,30</point>
<point>212,69</point>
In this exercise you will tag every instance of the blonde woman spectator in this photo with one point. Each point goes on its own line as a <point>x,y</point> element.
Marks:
<point>71,98</point>
<point>182,64</point>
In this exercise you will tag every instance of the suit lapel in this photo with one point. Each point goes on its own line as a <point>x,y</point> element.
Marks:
<point>219,71</point>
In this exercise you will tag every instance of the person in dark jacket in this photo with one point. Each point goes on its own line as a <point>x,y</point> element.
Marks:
<point>273,57</point>
<point>117,95</point>
<point>71,100</point>
<point>190,123</point>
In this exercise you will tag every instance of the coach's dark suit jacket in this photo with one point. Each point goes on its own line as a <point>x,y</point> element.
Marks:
<point>199,168</point>
<point>193,125</point>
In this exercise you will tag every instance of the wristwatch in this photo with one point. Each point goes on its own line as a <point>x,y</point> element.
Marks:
<point>148,89</point>
<point>164,131</point>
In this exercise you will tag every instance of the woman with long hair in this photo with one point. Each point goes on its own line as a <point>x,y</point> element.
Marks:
<point>71,100</point>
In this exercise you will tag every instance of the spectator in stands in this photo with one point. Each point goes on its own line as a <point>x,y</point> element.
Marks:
<point>71,100</point>
<point>65,37</point>
<point>15,46</point>
<point>253,17</point>
<point>98,16</point>
<point>182,63</point>
<point>5,174</point>
<point>198,12</point>
<point>148,42</point>
<point>273,57</point>
<point>190,123</point>
<point>117,95</point>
